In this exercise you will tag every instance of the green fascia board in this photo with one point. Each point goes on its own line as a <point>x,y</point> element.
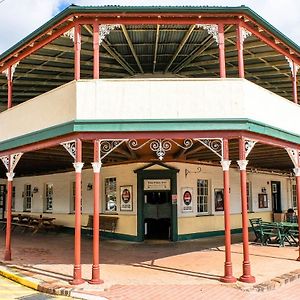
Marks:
<point>148,125</point>
<point>152,9</point>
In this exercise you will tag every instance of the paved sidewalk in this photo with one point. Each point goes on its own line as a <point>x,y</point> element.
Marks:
<point>150,270</point>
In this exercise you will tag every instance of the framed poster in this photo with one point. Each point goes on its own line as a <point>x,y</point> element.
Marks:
<point>219,199</point>
<point>187,199</point>
<point>126,198</point>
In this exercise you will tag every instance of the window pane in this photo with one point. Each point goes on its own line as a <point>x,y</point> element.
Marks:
<point>202,196</point>
<point>111,194</point>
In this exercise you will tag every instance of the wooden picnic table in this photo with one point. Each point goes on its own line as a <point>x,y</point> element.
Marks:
<point>34,222</point>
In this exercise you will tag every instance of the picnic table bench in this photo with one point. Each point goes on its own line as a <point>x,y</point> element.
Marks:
<point>107,223</point>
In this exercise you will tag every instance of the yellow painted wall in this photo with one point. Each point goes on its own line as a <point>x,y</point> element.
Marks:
<point>126,223</point>
<point>214,223</point>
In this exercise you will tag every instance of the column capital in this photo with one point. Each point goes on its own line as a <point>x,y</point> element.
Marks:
<point>96,166</point>
<point>242,164</point>
<point>10,176</point>
<point>296,171</point>
<point>225,164</point>
<point>78,166</point>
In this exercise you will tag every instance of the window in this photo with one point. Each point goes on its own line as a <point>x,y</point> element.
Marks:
<point>111,194</point>
<point>13,200</point>
<point>202,196</point>
<point>294,196</point>
<point>249,196</point>
<point>27,196</point>
<point>48,197</point>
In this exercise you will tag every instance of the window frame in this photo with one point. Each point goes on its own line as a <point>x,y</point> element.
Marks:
<point>47,197</point>
<point>106,195</point>
<point>207,198</point>
<point>27,195</point>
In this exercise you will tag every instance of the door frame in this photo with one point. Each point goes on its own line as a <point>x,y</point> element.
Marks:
<point>278,204</point>
<point>156,174</point>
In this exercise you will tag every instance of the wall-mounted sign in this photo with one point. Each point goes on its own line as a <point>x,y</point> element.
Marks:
<point>187,199</point>
<point>157,184</point>
<point>126,198</point>
<point>219,199</point>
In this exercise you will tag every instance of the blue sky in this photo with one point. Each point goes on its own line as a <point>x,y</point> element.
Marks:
<point>19,20</point>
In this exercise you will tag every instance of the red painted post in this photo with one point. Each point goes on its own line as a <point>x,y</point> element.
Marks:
<point>297,174</point>
<point>96,49</point>
<point>77,279</point>
<point>7,254</point>
<point>246,277</point>
<point>77,48</point>
<point>9,88</point>
<point>240,48</point>
<point>221,50</point>
<point>294,78</point>
<point>228,277</point>
<point>96,257</point>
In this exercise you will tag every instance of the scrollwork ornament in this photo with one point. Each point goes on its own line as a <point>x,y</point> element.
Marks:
<point>248,146</point>
<point>70,146</point>
<point>5,160</point>
<point>70,34</point>
<point>245,34</point>
<point>107,146</point>
<point>215,145</point>
<point>105,29</point>
<point>211,29</point>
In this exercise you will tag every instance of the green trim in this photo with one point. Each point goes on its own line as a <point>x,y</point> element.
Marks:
<point>152,9</point>
<point>149,125</point>
<point>198,235</point>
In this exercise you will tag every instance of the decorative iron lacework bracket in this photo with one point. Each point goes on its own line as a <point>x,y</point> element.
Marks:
<point>245,33</point>
<point>70,34</point>
<point>160,146</point>
<point>105,147</point>
<point>248,146</point>
<point>211,29</point>
<point>215,145</point>
<point>11,161</point>
<point>294,156</point>
<point>13,69</point>
<point>70,146</point>
<point>105,29</point>
<point>293,70</point>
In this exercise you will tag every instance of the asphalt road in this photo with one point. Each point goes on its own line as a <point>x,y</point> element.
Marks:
<point>12,290</point>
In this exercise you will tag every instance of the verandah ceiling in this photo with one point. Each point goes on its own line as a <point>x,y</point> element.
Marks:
<point>149,50</point>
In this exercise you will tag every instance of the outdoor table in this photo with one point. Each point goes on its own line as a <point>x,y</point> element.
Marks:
<point>41,222</point>
<point>288,229</point>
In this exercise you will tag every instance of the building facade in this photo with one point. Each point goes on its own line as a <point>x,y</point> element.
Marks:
<point>179,122</point>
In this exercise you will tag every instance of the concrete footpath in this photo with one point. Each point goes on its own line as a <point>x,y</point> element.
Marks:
<point>151,270</point>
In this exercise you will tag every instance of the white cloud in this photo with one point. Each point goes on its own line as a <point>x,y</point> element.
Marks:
<point>19,20</point>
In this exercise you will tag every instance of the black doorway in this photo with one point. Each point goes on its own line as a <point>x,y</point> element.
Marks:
<point>2,200</point>
<point>276,196</point>
<point>157,214</point>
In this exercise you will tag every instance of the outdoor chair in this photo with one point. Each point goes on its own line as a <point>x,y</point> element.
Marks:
<point>271,232</point>
<point>255,224</point>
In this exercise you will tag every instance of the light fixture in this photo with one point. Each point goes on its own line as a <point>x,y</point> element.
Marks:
<point>186,171</point>
<point>35,190</point>
<point>89,186</point>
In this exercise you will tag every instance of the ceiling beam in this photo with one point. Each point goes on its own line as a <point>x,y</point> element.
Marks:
<point>113,52</point>
<point>182,43</point>
<point>125,32</point>
<point>155,47</point>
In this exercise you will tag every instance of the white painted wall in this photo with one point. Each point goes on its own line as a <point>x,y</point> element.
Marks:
<point>125,176</point>
<point>150,98</point>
